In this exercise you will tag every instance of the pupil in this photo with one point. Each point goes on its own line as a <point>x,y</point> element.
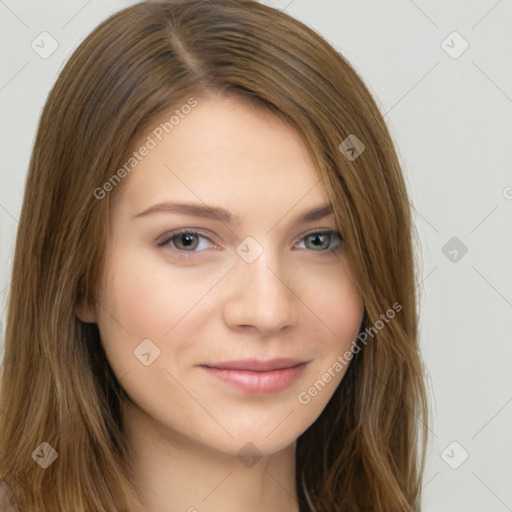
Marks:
<point>317,236</point>
<point>187,239</point>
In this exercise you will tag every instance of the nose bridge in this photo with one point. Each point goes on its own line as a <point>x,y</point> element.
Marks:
<point>261,293</point>
<point>265,277</point>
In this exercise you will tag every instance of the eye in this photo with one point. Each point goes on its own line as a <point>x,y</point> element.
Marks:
<point>186,240</point>
<point>182,240</point>
<point>322,241</point>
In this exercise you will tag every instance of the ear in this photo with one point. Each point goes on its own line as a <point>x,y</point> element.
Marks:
<point>86,312</point>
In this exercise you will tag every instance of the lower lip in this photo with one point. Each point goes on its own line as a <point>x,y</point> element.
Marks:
<point>259,382</point>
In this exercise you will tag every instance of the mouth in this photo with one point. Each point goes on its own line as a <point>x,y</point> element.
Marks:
<point>253,376</point>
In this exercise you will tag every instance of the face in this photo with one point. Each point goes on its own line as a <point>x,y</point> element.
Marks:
<point>256,283</point>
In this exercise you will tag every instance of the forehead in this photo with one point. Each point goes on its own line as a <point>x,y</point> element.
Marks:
<point>222,149</point>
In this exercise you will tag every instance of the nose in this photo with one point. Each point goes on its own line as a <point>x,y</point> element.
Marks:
<point>262,296</point>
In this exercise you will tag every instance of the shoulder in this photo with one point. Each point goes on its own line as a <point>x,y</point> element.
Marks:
<point>7,498</point>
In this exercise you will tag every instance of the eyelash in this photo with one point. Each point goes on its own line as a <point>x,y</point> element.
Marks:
<point>166,238</point>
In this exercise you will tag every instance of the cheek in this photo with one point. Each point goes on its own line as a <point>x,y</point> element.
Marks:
<point>147,298</point>
<point>133,307</point>
<point>340,310</point>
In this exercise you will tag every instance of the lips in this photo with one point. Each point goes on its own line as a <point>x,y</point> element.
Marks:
<point>256,365</point>
<point>256,376</point>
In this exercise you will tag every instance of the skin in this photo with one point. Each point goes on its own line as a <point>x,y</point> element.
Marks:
<point>205,303</point>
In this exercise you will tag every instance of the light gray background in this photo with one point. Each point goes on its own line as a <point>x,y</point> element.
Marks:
<point>451,119</point>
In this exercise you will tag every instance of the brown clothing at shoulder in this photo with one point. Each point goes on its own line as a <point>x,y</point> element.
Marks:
<point>7,498</point>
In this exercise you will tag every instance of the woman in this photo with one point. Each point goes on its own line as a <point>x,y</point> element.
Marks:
<point>259,370</point>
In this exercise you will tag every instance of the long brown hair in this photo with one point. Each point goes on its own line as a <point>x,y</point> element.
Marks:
<point>366,451</point>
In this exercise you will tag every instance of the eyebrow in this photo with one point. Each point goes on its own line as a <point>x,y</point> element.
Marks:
<point>221,214</point>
